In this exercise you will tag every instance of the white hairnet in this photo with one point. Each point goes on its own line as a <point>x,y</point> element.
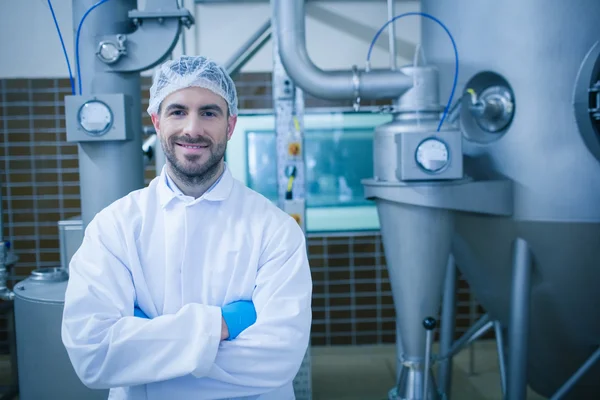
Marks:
<point>189,71</point>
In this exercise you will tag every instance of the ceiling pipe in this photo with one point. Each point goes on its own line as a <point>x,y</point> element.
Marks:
<point>331,85</point>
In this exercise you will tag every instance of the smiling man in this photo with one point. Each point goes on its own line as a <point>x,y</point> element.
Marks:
<point>195,287</point>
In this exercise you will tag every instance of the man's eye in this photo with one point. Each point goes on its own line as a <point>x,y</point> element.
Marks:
<point>177,112</point>
<point>209,114</point>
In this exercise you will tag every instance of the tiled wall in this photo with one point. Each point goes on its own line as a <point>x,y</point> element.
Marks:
<point>40,186</point>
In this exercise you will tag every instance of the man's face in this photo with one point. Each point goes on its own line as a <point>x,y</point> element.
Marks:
<point>193,126</point>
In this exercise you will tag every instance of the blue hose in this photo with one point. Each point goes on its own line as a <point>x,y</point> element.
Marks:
<point>63,47</point>
<point>77,40</point>
<point>453,44</point>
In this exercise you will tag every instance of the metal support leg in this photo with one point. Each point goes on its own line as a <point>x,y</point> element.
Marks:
<point>501,360</point>
<point>447,329</point>
<point>564,389</point>
<point>519,321</point>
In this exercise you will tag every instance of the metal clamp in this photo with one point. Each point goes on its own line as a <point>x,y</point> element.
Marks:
<point>110,52</point>
<point>356,85</point>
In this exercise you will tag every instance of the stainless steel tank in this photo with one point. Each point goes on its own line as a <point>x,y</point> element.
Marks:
<point>45,371</point>
<point>546,53</point>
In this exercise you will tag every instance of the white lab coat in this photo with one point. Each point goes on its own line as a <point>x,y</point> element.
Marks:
<point>180,259</point>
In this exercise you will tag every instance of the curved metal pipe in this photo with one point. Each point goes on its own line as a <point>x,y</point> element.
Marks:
<point>332,85</point>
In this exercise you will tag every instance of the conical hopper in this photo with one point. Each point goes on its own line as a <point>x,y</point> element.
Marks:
<point>417,246</point>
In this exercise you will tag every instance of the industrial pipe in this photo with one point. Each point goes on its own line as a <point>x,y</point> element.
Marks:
<point>331,85</point>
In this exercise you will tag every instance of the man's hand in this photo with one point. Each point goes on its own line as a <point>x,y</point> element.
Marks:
<point>237,316</point>
<point>224,330</point>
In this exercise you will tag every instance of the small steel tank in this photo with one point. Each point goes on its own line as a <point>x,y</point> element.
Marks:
<point>42,358</point>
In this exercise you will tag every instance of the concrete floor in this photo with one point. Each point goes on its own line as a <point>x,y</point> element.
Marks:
<point>367,373</point>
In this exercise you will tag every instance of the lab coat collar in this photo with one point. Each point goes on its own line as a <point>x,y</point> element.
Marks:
<point>218,192</point>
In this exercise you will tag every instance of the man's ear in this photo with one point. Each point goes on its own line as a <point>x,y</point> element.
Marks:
<point>231,126</point>
<point>156,123</point>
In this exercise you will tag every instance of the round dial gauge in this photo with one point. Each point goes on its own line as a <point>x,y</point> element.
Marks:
<point>108,52</point>
<point>432,155</point>
<point>95,117</point>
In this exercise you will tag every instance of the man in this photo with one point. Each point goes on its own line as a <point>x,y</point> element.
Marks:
<point>218,276</point>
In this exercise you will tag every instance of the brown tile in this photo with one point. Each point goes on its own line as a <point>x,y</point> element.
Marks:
<point>19,218</point>
<point>386,286</point>
<point>388,338</point>
<point>23,138</point>
<point>70,177</point>
<point>366,326</point>
<point>48,230</point>
<point>44,123</point>
<point>363,248</point>
<point>388,325</point>
<point>49,244</point>
<point>18,124</point>
<point>318,328</point>
<point>45,150</point>
<point>72,203</point>
<point>16,84</point>
<point>20,177</point>
<point>14,97</point>
<point>44,137</point>
<point>50,257</point>
<point>48,203</point>
<point>318,289</point>
<point>338,262</point>
<point>341,340</point>
<point>315,249</point>
<point>366,313</point>
<point>70,149</point>
<point>65,83</point>
<point>22,191</point>
<point>366,339</point>
<point>340,314</point>
<point>24,245</point>
<point>19,151</point>
<point>317,276</point>
<point>22,204</point>
<point>343,327</point>
<point>341,249</point>
<point>388,313</point>
<point>25,258</point>
<point>318,315</point>
<point>66,163</point>
<point>365,261</point>
<point>318,341</point>
<point>318,302</point>
<point>387,299</point>
<point>340,301</point>
<point>365,274</point>
<point>42,83</point>
<point>343,288</point>
<point>365,300</point>
<point>43,96</point>
<point>316,262</point>
<point>365,287</point>
<point>18,164</point>
<point>46,163</point>
<point>71,190</point>
<point>46,177</point>
<point>12,111</point>
<point>338,275</point>
<point>46,190</point>
<point>24,230</point>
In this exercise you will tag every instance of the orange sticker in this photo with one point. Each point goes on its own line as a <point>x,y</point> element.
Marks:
<point>297,218</point>
<point>294,149</point>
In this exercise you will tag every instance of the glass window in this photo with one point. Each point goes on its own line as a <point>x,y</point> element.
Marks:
<point>335,160</point>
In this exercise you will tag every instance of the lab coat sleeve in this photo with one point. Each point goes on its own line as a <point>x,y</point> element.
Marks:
<point>268,354</point>
<point>107,346</point>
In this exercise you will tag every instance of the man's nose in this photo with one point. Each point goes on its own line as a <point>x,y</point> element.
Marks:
<point>193,126</point>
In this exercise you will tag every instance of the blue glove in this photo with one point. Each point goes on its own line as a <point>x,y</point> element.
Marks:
<point>238,316</point>
<point>139,313</point>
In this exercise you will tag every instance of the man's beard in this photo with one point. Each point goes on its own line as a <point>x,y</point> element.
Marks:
<point>193,173</point>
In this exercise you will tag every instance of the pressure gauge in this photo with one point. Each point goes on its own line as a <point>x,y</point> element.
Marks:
<point>95,117</point>
<point>432,155</point>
